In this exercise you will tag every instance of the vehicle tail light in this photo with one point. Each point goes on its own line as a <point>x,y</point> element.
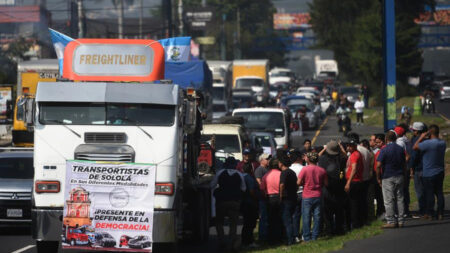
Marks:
<point>164,188</point>
<point>47,186</point>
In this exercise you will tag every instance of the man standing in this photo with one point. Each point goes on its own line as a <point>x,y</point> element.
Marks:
<point>333,161</point>
<point>288,196</point>
<point>313,178</point>
<point>366,94</point>
<point>263,217</point>
<point>379,139</point>
<point>249,208</point>
<point>270,184</point>
<point>359,108</point>
<point>297,161</point>
<point>373,144</point>
<point>307,147</point>
<point>229,187</point>
<point>392,159</point>
<point>247,158</point>
<point>433,170</point>
<point>354,186</point>
<point>415,165</point>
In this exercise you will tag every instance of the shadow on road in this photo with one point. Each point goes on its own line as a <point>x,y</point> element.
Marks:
<point>15,231</point>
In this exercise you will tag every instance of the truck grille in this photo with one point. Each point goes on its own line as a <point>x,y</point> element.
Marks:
<point>105,157</point>
<point>15,195</point>
<point>105,137</point>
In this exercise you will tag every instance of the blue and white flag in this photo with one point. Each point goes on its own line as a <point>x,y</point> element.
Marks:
<point>177,49</point>
<point>60,42</point>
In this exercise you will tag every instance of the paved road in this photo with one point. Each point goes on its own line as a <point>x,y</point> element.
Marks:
<point>19,240</point>
<point>443,108</point>
<point>417,236</point>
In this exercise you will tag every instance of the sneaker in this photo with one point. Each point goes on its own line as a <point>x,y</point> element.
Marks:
<point>417,216</point>
<point>297,240</point>
<point>389,225</point>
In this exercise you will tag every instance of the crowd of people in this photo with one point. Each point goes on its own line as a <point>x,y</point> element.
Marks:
<point>331,189</point>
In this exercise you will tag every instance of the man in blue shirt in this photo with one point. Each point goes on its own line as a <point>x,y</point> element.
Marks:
<point>392,159</point>
<point>433,151</point>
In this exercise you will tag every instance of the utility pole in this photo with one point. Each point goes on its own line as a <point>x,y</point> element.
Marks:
<point>141,14</point>
<point>389,72</point>
<point>120,20</point>
<point>222,44</point>
<point>180,17</point>
<point>80,19</point>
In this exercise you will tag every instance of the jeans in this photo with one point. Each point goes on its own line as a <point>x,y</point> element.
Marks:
<point>287,207</point>
<point>420,192</point>
<point>275,223</point>
<point>231,210</point>
<point>378,197</point>
<point>333,209</point>
<point>357,201</point>
<point>360,117</point>
<point>406,199</point>
<point>433,186</point>
<point>311,208</point>
<point>393,198</point>
<point>263,221</point>
<point>250,215</point>
<point>297,215</point>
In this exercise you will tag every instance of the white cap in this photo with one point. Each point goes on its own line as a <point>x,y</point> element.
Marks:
<point>418,126</point>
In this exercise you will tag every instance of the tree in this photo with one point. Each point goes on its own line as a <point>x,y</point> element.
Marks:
<point>353,30</point>
<point>9,56</point>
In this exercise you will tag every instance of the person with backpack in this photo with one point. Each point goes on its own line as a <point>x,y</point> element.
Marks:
<point>228,189</point>
<point>334,197</point>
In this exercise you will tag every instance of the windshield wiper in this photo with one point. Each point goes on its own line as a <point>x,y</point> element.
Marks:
<point>145,132</point>
<point>64,125</point>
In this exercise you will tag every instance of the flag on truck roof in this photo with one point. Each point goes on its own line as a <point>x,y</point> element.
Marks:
<point>60,42</point>
<point>177,49</point>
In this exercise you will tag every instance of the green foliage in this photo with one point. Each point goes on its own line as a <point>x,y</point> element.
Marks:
<point>353,30</point>
<point>9,55</point>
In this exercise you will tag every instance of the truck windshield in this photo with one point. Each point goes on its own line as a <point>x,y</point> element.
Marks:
<point>55,113</point>
<point>266,121</point>
<point>218,93</point>
<point>227,142</point>
<point>249,83</point>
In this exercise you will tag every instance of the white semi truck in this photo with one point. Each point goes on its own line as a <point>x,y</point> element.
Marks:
<point>119,122</point>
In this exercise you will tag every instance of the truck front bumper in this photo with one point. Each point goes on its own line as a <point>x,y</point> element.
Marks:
<point>46,225</point>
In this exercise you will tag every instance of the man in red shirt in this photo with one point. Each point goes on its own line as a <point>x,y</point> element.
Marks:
<point>354,185</point>
<point>313,178</point>
<point>270,185</point>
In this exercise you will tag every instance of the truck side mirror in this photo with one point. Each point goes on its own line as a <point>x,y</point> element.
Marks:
<point>29,111</point>
<point>190,116</point>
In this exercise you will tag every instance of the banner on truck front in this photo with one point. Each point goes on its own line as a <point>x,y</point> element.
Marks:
<point>108,206</point>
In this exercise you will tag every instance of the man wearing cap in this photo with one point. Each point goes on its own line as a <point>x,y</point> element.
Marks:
<point>288,196</point>
<point>416,167</point>
<point>333,161</point>
<point>263,216</point>
<point>229,187</point>
<point>297,166</point>
<point>354,186</point>
<point>247,157</point>
<point>433,151</point>
<point>403,142</point>
<point>392,160</point>
<point>313,178</point>
<point>270,185</point>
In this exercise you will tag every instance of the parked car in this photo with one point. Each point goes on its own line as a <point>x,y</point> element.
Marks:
<point>351,93</point>
<point>105,240</point>
<point>16,182</point>
<point>263,142</point>
<point>140,242</point>
<point>445,90</point>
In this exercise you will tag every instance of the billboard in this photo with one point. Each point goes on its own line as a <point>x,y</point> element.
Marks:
<point>440,16</point>
<point>108,206</point>
<point>199,18</point>
<point>286,21</point>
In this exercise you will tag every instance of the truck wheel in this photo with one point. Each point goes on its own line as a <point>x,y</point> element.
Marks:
<point>47,246</point>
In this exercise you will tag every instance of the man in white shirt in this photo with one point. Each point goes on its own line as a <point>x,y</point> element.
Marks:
<point>297,161</point>
<point>359,108</point>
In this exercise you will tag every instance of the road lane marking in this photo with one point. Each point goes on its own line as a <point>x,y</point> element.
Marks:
<point>318,130</point>
<point>24,249</point>
<point>442,116</point>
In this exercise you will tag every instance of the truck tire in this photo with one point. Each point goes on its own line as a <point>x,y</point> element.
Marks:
<point>47,246</point>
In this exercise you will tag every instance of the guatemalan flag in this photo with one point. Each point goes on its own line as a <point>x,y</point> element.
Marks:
<point>177,49</point>
<point>60,42</point>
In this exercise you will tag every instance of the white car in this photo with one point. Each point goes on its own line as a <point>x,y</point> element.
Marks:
<point>229,138</point>
<point>445,90</point>
<point>308,95</point>
<point>272,120</point>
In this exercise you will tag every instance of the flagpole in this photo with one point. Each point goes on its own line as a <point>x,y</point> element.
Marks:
<point>80,18</point>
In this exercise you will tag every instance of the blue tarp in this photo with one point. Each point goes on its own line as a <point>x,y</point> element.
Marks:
<point>194,74</point>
